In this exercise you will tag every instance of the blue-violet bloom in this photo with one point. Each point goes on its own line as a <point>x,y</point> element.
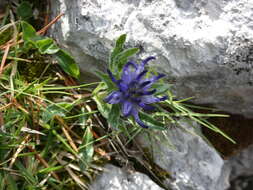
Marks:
<point>134,91</point>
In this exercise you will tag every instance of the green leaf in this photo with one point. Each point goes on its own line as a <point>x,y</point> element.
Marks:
<point>28,45</point>
<point>50,169</point>
<point>29,32</point>
<point>24,10</point>
<point>100,86</point>
<point>47,46</point>
<point>26,173</point>
<point>2,182</point>
<point>120,42</point>
<point>103,107</point>
<point>120,60</point>
<point>161,87</point>
<point>67,63</point>
<point>59,109</point>
<point>151,122</point>
<point>86,153</point>
<point>114,116</point>
<point>117,49</point>
<point>11,183</point>
<point>105,77</point>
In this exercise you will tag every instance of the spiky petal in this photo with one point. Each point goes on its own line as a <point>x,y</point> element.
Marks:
<point>134,91</point>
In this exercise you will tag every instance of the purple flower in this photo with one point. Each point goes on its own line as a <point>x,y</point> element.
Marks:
<point>134,91</point>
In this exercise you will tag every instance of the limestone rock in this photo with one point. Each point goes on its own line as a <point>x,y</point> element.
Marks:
<point>241,169</point>
<point>204,46</point>
<point>193,164</point>
<point>241,163</point>
<point>115,178</point>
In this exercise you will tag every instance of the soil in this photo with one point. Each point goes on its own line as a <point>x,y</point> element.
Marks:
<point>237,127</point>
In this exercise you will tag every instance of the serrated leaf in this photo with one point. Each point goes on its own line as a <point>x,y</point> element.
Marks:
<point>151,122</point>
<point>67,63</point>
<point>47,46</point>
<point>114,116</point>
<point>86,153</point>
<point>24,10</point>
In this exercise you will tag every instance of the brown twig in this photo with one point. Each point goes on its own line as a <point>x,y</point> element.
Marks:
<point>45,28</point>
<point>19,149</point>
<point>15,103</point>
<point>41,32</point>
<point>4,58</point>
<point>66,133</point>
<point>5,106</point>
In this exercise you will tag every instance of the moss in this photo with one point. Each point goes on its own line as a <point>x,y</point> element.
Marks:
<point>31,71</point>
<point>6,35</point>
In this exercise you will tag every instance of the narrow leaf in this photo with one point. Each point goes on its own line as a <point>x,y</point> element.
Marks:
<point>114,116</point>
<point>11,183</point>
<point>103,107</point>
<point>104,77</point>
<point>50,169</point>
<point>86,153</point>
<point>161,87</point>
<point>26,173</point>
<point>117,49</point>
<point>151,122</point>
<point>120,60</point>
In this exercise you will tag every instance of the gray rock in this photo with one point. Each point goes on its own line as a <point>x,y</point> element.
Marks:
<point>241,166</point>
<point>242,183</point>
<point>205,46</point>
<point>193,164</point>
<point>114,178</point>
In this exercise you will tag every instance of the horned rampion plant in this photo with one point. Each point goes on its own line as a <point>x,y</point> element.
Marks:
<point>56,133</point>
<point>134,92</point>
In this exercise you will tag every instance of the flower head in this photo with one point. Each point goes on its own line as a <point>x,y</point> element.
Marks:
<point>134,90</point>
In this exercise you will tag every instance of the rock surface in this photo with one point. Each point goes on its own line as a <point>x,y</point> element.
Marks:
<point>241,166</point>
<point>193,164</point>
<point>204,46</point>
<point>115,178</point>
